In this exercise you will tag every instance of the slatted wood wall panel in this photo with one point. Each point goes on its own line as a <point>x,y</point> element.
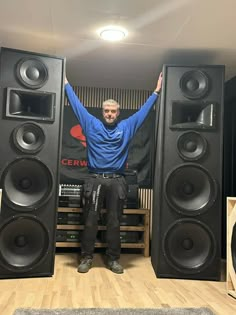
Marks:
<point>94,97</point>
<point>128,99</point>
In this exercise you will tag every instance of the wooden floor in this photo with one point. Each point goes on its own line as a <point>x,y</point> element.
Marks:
<point>137,287</point>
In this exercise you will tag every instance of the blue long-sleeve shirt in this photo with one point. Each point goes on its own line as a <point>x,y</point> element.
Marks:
<point>107,146</point>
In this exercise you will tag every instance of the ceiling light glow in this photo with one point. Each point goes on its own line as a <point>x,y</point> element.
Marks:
<point>113,33</point>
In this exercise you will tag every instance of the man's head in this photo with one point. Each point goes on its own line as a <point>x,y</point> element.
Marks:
<point>110,111</point>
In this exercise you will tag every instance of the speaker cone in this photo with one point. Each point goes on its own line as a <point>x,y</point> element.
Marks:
<point>27,184</point>
<point>23,243</point>
<point>191,146</point>
<point>194,84</point>
<point>29,137</point>
<point>233,247</point>
<point>32,73</point>
<point>189,189</point>
<point>189,246</point>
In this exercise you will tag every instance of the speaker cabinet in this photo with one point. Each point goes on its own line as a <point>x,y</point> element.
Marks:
<point>31,103</point>
<point>186,224</point>
<point>231,246</point>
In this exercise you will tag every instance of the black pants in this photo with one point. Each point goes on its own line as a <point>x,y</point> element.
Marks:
<point>114,191</point>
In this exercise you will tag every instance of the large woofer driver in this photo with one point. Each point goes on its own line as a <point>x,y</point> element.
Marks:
<point>191,146</point>
<point>190,189</point>
<point>24,243</point>
<point>32,73</point>
<point>194,84</point>
<point>27,184</point>
<point>29,138</point>
<point>233,247</point>
<point>189,246</point>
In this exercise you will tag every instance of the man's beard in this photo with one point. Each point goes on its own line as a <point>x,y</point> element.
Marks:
<point>112,124</point>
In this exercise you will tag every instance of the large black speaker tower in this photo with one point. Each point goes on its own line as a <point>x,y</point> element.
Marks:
<point>187,194</point>
<point>31,102</point>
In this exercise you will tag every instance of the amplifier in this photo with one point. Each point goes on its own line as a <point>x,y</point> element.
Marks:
<point>70,190</point>
<point>131,177</point>
<point>68,236</point>
<point>125,219</point>
<point>70,202</point>
<point>69,218</point>
<point>129,237</point>
<point>133,220</point>
<point>70,195</point>
<point>125,236</point>
<point>132,200</point>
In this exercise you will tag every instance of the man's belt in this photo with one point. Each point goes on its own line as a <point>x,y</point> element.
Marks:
<point>106,175</point>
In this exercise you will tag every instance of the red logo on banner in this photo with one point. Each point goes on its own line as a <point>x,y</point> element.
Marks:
<point>76,132</point>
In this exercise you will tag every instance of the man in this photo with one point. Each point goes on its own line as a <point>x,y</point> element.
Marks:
<point>107,152</point>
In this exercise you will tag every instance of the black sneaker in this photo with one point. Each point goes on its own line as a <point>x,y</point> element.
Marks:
<point>85,264</point>
<point>114,266</point>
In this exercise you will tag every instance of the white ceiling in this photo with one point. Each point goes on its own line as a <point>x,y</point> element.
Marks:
<point>180,32</point>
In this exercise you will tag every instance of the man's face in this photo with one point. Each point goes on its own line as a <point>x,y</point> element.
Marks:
<point>110,114</point>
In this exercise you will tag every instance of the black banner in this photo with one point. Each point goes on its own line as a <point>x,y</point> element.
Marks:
<point>73,157</point>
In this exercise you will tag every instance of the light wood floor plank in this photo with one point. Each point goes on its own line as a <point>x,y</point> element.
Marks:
<point>137,287</point>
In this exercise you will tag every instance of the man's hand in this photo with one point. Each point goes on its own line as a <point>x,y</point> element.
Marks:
<point>66,81</point>
<point>159,83</point>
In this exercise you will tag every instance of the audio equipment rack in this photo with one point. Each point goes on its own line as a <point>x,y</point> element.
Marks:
<point>68,235</point>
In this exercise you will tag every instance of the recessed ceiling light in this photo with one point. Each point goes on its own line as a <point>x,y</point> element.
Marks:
<point>113,33</point>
